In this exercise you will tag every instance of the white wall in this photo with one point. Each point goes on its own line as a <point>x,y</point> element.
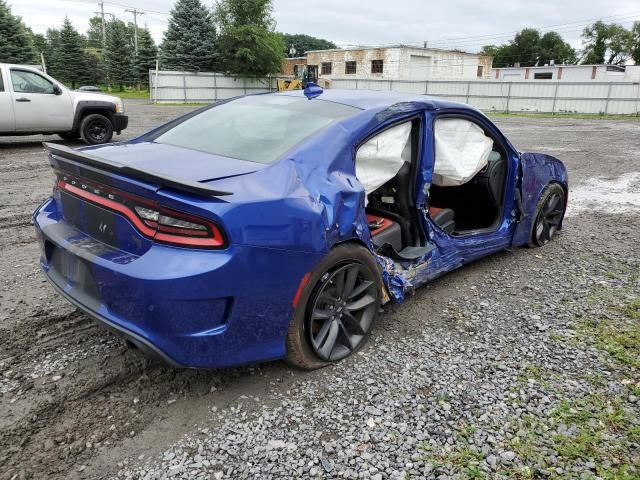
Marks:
<point>398,61</point>
<point>570,73</point>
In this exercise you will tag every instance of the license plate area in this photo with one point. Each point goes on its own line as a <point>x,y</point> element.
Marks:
<point>71,269</point>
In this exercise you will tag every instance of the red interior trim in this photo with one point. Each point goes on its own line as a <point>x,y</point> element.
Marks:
<point>386,223</point>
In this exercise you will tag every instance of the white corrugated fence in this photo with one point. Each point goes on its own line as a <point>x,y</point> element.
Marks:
<point>615,98</point>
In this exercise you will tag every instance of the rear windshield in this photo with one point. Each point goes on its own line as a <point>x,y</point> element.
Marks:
<point>257,128</point>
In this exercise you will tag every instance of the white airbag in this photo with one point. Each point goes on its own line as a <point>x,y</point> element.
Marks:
<point>380,159</point>
<point>462,150</point>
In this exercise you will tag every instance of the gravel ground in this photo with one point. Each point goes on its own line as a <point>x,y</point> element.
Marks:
<point>521,365</point>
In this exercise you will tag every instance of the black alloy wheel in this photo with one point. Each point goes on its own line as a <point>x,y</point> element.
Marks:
<point>336,309</point>
<point>342,311</point>
<point>96,129</point>
<point>549,216</point>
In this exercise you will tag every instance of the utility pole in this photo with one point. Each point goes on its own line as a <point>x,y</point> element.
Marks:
<point>104,26</point>
<point>135,12</point>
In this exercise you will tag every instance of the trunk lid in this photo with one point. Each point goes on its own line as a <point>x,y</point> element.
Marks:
<point>113,194</point>
<point>180,163</point>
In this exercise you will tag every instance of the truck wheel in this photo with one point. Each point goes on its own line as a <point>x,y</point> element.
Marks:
<point>336,310</point>
<point>96,129</point>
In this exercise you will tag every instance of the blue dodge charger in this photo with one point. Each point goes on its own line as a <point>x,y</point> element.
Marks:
<point>275,226</point>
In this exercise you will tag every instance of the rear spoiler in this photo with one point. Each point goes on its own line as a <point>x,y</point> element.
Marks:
<point>62,153</point>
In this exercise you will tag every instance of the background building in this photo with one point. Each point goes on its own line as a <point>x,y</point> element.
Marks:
<point>569,73</point>
<point>399,62</point>
<point>293,66</point>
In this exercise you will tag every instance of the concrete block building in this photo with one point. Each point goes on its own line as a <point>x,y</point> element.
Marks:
<point>399,62</point>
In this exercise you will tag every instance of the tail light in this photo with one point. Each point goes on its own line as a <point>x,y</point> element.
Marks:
<point>154,222</point>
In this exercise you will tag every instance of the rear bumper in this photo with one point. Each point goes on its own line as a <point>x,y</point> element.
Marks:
<point>120,122</point>
<point>141,342</point>
<point>193,308</point>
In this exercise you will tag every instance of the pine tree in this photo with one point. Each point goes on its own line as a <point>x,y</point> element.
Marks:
<point>118,54</point>
<point>52,52</point>
<point>93,73</point>
<point>147,54</point>
<point>71,59</point>
<point>94,33</point>
<point>16,44</point>
<point>247,42</point>
<point>189,41</point>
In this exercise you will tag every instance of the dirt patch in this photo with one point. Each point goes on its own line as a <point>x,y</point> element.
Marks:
<point>76,402</point>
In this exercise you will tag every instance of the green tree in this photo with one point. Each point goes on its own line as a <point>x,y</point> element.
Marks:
<point>528,49</point>
<point>118,55</point>
<point>52,51</point>
<point>70,60</point>
<point>247,42</point>
<point>189,41</point>
<point>94,33</point>
<point>297,45</point>
<point>94,68</point>
<point>16,45</point>
<point>606,43</point>
<point>501,54</point>
<point>552,47</point>
<point>39,43</point>
<point>635,43</point>
<point>147,54</point>
<point>524,47</point>
<point>245,12</point>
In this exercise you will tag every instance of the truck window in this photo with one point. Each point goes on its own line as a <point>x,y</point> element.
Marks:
<point>1,82</point>
<point>30,82</point>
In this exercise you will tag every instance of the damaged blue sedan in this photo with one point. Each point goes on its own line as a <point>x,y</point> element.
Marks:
<point>274,226</point>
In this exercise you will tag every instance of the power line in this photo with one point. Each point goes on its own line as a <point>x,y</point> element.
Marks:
<point>121,5</point>
<point>542,28</point>
<point>484,39</point>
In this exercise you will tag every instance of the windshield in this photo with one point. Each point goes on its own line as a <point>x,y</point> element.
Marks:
<point>257,128</point>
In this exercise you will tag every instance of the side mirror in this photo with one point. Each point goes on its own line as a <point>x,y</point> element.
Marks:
<point>57,90</point>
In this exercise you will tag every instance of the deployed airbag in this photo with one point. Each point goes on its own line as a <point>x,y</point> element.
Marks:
<point>462,150</point>
<point>380,158</point>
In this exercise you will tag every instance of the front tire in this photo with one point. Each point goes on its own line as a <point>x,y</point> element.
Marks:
<point>549,215</point>
<point>96,129</point>
<point>337,309</point>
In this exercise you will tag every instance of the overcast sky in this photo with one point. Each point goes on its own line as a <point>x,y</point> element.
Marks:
<point>465,24</point>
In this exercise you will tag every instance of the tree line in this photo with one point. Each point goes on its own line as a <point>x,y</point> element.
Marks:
<point>81,59</point>
<point>236,37</point>
<point>603,43</point>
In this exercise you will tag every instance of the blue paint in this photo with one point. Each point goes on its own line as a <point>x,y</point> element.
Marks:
<point>311,90</point>
<point>220,308</point>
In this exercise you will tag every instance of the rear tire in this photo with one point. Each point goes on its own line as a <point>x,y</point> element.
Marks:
<point>336,310</point>
<point>96,129</point>
<point>549,215</point>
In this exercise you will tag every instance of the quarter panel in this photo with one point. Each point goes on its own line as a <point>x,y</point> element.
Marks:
<point>537,171</point>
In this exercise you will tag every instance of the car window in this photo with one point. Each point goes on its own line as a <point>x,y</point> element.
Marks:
<point>257,128</point>
<point>30,82</point>
<point>1,82</point>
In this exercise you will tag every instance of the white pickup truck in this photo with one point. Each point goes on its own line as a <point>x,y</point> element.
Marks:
<point>32,102</point>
